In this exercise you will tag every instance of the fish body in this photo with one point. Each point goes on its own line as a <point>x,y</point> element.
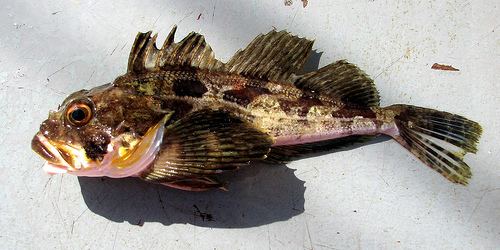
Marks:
<point>180,117</point>
<point>288,114</point>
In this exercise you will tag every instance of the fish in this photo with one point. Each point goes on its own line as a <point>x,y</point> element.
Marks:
<point>180,117</point>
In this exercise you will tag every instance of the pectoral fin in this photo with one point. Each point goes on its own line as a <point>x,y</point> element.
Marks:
<point>206,143</point>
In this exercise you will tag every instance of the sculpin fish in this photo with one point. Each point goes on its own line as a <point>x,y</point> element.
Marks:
<point>180,117</point>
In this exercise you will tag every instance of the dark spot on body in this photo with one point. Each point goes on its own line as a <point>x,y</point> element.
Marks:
<point>246,95</point>
<point>180,108</point>
<point>95,151</point>
<point>353,111</point>
<point>192,88</point>
<point>96,147</point>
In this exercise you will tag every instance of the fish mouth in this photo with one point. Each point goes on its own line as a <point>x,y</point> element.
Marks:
<point>39,147</point>
<point>57,160</point>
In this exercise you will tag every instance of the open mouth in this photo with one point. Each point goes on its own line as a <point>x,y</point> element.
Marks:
<point>56,162</point>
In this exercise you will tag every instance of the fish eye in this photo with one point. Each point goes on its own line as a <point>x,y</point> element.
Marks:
<point>79,114</point>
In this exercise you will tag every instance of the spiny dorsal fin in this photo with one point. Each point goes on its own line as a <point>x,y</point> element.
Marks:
<point>205,143</point>
<point>192,51</point>
<point>341,80</point>
<point>274,56</point>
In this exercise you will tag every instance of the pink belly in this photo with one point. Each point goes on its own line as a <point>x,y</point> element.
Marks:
<point>322,136</point>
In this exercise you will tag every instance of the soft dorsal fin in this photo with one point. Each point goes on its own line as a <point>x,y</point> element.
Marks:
<point>341,80</point>
<point>192,51</point>
<point>274,56</point>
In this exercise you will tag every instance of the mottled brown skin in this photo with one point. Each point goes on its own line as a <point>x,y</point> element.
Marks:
<point>277,107</point>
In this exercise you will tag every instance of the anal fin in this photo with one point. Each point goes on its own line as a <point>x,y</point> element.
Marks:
<point>196,184</point>
<point>289,153</point>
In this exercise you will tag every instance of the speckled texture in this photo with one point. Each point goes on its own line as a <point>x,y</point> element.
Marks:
<point>375,196</point>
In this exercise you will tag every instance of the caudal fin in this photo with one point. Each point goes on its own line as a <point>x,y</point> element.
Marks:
<point>439,139</point>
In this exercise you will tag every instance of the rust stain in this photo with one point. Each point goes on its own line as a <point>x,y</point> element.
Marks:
<point>438,66</point>
<point>304,3</point>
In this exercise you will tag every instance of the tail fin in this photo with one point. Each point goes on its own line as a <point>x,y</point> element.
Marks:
<point>439,139</point>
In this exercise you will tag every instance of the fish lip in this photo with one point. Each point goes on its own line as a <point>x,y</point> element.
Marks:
<point>41,149</point>
<point>56,162</point>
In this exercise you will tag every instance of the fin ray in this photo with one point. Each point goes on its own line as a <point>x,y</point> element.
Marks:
<point>192,51</point>
<point>205,143</point>
<point>275,56</point>
<point>439,139</point>
<point>342,81</point>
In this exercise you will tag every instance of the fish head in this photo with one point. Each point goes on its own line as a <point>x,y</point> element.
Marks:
<point>99,132</point>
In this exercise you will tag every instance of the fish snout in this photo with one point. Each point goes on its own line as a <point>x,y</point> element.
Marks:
<point>37,145</point>
<point>56,163</point>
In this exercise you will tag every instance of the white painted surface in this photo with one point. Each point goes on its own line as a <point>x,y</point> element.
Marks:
<point>373,197</point>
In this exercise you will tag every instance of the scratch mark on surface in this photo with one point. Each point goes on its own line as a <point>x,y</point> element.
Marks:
<point>186,16</point>
<point>47,183</point>
<point>60,187</point>
<point>161,202</point>
<point>90,77</point>
<point>293,18</point>
<point>213,11</point>
<point>325,246</point>
<point>487,34</point>
<point>156,20</point>
<point>59,216</point>
<point>309,235</point>
<point>125,44</point>
<point>480,200</point>
<point>390,65</point>
<point>77,218</point>
<point>381,177</point>
<point>113,50</point>
<point>116,234</point>
<point>57,71</point>
<point>268,238</point>
<point>477,206</point>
